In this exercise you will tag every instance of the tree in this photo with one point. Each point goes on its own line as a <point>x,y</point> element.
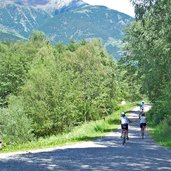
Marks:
<point>142,7</point>
<point>147,49</point>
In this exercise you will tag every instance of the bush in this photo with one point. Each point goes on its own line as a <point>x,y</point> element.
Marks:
<point>164,127</point>
<point>162,107</point>
<point>15,125</point>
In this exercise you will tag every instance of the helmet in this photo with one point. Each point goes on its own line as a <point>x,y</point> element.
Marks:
<point>123,113</point>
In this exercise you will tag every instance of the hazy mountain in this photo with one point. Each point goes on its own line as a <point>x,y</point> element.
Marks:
<point>62,20</point>
<point>7,37</point>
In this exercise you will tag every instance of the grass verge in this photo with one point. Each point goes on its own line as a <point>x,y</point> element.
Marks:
<point>161,134</point>
<point>87,131</point>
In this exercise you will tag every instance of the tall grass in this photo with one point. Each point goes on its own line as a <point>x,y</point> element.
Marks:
<point>161,134</point>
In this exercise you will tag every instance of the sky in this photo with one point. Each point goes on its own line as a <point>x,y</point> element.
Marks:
<point>119,5</point>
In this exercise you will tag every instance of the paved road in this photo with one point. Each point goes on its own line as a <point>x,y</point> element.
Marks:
<point>101,155</point>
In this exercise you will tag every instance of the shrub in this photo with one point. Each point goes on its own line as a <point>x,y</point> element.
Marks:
<point>15,125</point>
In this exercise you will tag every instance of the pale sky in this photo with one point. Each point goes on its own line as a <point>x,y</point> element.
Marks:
<point>119,5</point>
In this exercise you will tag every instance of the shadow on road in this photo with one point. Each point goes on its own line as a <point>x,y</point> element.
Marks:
<point>135,155</point>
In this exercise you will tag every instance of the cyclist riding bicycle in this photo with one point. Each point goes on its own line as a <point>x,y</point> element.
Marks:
<point>141,106</point>
<point>141,112</point>
<point>124,124</point>
<point>143,121</point>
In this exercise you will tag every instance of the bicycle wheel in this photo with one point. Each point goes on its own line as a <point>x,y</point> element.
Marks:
<point>142,134</point>
<point>124,138</point>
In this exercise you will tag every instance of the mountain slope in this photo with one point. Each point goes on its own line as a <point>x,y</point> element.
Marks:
<point>62,20</point>
<point>7,37</point>
<point>21,20</point>
<point>22,16</point>
<point>88,22</point>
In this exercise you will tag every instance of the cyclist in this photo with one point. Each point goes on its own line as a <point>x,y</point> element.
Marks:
<point>141,106</point>
<point>143,121</point>
<point>141,112</point>
<point>124,124</point>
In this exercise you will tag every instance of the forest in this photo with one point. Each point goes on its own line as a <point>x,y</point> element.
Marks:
<point>48,89</point>
<point>148,58</point>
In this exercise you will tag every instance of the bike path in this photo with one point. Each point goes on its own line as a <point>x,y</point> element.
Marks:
<point>103,154</point>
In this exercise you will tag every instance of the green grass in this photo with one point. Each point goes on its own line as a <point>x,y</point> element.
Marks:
<point>88,131</point>
<point>161,134</point>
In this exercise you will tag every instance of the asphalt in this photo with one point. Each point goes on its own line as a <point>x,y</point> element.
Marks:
<point>104,154</point>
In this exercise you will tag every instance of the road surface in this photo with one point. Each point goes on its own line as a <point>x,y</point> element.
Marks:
<point>105,154</point>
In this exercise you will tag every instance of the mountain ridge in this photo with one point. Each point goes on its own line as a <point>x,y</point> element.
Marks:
<point>73,20</point>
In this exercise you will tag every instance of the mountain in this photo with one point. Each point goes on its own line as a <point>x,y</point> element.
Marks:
<point>7,37</point>
<point>62,20</point>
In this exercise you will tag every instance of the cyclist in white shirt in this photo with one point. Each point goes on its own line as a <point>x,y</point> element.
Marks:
<point>142,120</point>
<point>124,123</point>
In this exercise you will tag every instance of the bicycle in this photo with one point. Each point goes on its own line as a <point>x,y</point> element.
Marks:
<point>142,130</point>
<point>124,135</point>
<point>141,109</point>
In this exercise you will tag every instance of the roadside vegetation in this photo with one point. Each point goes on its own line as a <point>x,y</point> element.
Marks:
<point>161,134</point>
<point>47,90</point>
<point>148,60</point>
<point>88,131</point>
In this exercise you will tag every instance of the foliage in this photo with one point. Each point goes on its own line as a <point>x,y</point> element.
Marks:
<point>15,125</point>
<point>69,89</point>
<point>162,107</point>
<point>147,57</point>
<point>52,89</point>
<point>161,132</point>
<point>142,7</point>
<point>151,55</point>
<point>15,62</point>
<point>87,131</point>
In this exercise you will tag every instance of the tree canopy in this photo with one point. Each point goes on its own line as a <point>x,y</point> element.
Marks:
<point>147,54</point>
<point>48,89</point>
